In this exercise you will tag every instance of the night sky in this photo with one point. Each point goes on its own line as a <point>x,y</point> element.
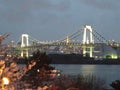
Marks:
<point>55,19</point>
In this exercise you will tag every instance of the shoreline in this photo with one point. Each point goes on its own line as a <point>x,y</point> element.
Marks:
<point>78,59</point>
<point>74,59</point>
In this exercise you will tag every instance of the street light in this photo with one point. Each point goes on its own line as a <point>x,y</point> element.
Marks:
<point>5,81</point>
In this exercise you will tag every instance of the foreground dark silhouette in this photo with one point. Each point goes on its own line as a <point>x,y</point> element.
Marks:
<point>39,70</point>
<point>79,82</point>
<point>9,69</point>
<point>115,84</point>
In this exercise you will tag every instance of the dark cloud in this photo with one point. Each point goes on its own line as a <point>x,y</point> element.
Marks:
<point>54,19</point>
<point>20,10</point>
<point>63,5</point>
<point>103,4</point>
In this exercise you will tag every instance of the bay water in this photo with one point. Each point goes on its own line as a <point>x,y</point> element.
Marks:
<point>109,73</point>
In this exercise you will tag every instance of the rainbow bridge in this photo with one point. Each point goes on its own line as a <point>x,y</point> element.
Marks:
<point>85,41</point>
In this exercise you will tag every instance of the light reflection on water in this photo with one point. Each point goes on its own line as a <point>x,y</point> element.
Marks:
<point>107,72</point>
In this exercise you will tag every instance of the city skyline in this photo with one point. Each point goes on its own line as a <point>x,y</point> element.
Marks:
<point>55,19</point>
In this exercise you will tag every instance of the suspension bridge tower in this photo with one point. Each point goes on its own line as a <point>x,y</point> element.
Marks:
<point>24,44</point>
<point>88,41</point>
<point>67,40</point>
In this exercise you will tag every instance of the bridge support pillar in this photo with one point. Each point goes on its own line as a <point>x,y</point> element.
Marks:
<point>88,50</point>
<point>24,53</point>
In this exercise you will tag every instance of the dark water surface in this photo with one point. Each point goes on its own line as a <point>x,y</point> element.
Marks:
<point>107,72</point>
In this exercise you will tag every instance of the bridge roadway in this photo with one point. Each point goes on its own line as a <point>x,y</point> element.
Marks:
<point>71,44</point>
<point>67,48</point>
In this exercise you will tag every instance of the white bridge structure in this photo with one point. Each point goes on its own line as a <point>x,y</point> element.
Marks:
<point>91,44</point>
<point>88,39</point>
<point>25,40</point>
<point>24,43</point>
